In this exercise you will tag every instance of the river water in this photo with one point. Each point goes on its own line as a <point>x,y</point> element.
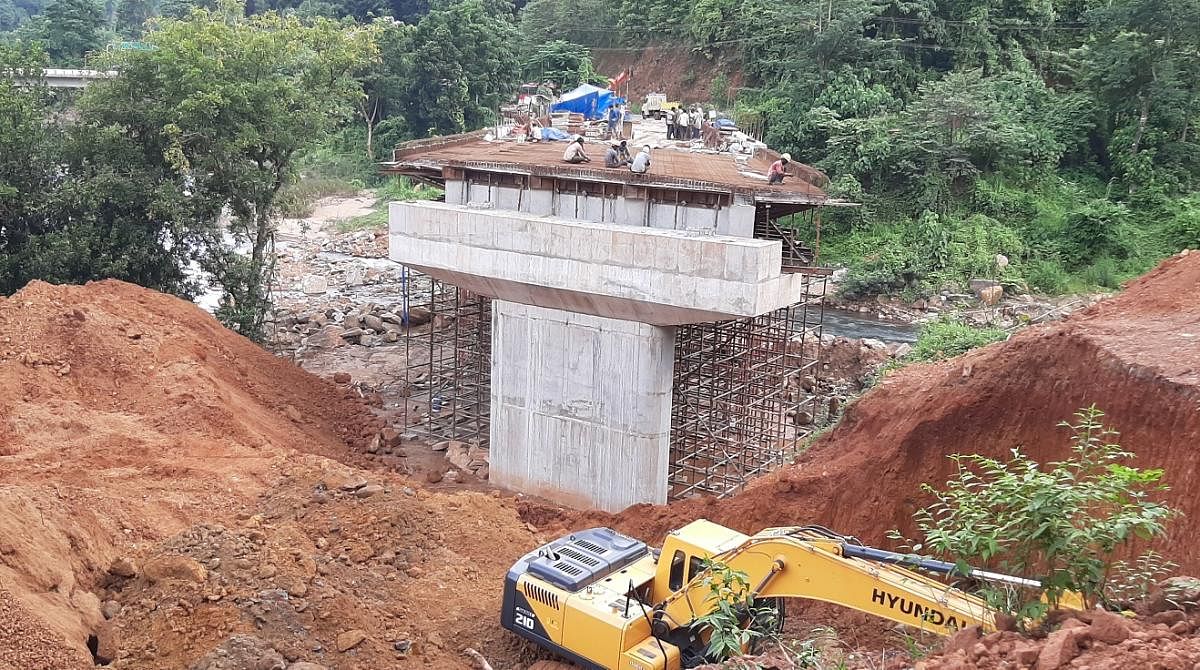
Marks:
<point>844,323</point>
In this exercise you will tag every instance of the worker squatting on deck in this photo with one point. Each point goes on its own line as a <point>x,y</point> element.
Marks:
<point>617,155</point>
<point>778,169</point>
<point>575,152</point>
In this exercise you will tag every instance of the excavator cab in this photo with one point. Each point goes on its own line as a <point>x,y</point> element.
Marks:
<point>587,597</point>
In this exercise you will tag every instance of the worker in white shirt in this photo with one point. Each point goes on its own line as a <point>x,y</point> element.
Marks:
<point>641,162</point>
<point>575,152</point>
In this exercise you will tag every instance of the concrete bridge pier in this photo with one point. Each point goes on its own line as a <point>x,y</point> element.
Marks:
<point>581,406</point>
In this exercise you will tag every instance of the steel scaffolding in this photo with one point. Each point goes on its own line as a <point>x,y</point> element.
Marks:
<point>449,361</point>
<point>744,396</point>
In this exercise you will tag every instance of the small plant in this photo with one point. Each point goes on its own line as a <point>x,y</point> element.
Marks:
<point>736,620</point>
<point>1062,522</point>
<point>1129,582</point>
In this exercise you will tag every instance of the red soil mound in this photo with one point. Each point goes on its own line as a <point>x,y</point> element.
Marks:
<point>126,414</point>
<point>1136,356</point>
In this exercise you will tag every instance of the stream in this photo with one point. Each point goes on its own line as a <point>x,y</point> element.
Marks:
<point>854,325</point>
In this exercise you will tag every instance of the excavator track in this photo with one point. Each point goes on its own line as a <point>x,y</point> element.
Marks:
<point>551,665</point>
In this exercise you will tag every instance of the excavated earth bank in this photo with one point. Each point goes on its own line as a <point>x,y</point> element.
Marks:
<point>1136,356</point>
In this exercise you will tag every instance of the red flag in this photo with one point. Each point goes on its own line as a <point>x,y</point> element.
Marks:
<point>615,82</point>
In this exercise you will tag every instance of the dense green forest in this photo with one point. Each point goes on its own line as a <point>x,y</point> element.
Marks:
<point>1060,136</point>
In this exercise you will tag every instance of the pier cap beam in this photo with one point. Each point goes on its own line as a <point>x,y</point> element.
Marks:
<point>654,276</point>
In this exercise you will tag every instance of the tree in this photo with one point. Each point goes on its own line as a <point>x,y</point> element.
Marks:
<point>81,202</point>
<point>567,65</point>
<point>179,9</point>
<point>384,81</point>
<point>1141,63</point>
<point>232,101</point>
<point>547,20</point>
<point>71,30</point>
<point>131,15</point>
<point>464,66</point>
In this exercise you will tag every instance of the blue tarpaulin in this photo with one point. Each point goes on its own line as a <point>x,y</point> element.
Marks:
<point>591,101</point>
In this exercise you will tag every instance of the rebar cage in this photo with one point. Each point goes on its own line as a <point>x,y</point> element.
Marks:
<point>449,361</point>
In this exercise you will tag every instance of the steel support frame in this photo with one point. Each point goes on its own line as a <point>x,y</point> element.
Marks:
<point>449,361</point>
<point>744,397</point>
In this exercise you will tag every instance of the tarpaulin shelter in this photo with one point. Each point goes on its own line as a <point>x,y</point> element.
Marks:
<point>591,101</point>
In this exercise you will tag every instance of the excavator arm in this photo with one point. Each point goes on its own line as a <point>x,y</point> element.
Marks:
<point>800,563</point>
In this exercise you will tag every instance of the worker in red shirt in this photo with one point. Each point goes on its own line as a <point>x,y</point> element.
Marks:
<point>778,169</point>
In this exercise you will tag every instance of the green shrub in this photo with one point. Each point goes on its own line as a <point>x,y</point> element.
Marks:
<point>1047,276</point>
<point>946,338</point>
<point>400,189</point>
<point>1104,273</point>
<point>1062,521</point>
<point>737,619</point>
<point>1094,230</point>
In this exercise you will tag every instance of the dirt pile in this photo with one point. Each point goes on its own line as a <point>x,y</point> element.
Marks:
<point>1136,356</point>
<point>125,415</point>
<point>1094,639</point>
<point>327,569</point>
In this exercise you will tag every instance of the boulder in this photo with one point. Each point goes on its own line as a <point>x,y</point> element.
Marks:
<point>368,491</point>
<point>1108,628</point>
<point>374,323</point>
<point>991,295</point>
<point>874,344</point>
<point>123,567</point>
<point>458,453</point>
<point>341,378</point>
<point>390,437</point>
<point>328,337</point>
<point>976,285</point>
<point>962,640</point>
<point>183,568</point>
<point>314,285</point>
<point>1061,647</point>
<point>418,316</point>
<point>347,640</point>
<point>1176,593</point>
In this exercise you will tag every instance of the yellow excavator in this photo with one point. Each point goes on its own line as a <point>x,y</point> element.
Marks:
<point>604,601</point>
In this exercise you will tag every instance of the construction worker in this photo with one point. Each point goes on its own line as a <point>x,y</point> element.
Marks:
<point>613,158</point>
<point>683,125</point>
<point>697,122</point>
<point>614,119</point>
<point>641,162</point>
<point>575,152</point>
<point>778,169</point>
<point>623,151</point>
<point>670,124</point>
